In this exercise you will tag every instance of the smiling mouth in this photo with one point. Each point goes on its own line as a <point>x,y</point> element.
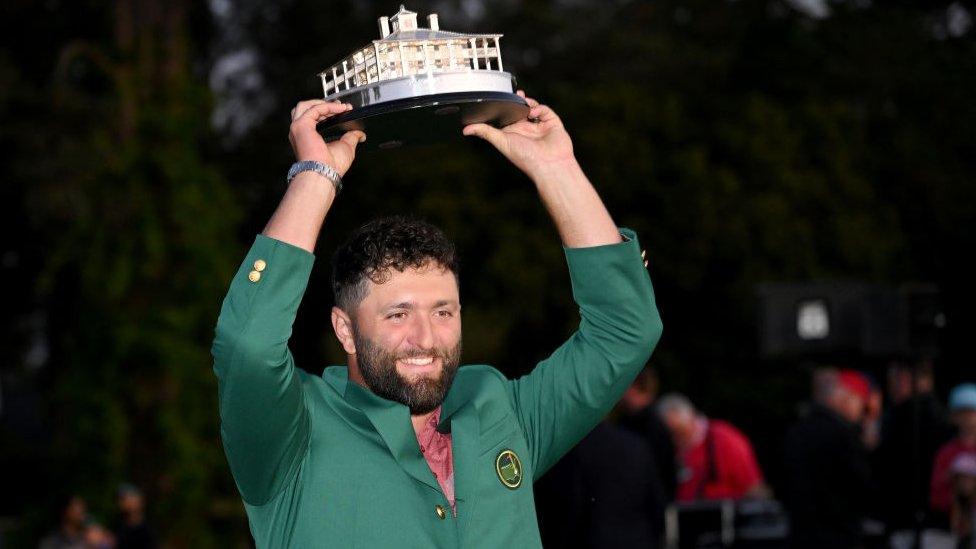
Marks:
<point>418,363</point>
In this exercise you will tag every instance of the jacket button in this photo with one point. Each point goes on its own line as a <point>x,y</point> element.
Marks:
<point>441,513</point>
<point>254,276</point>
<point>259,265</point>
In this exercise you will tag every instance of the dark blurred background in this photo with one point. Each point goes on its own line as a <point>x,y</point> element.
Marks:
<point>143,144</point>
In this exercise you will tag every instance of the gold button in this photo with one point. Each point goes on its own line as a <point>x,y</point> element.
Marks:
<point>259,265</point>
<point>440,512</point>
<point>254,276</point>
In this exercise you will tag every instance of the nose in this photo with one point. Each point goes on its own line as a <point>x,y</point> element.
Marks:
<point>422,334</point>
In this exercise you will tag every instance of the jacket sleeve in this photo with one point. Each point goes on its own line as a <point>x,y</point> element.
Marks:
<point>567,394</point>
<point>264,418</point>
<point>940,485</point>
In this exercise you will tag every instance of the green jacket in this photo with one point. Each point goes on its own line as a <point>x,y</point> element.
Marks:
<point>322,462</point>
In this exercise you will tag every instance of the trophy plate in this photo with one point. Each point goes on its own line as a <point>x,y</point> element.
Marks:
<point>425,119</point>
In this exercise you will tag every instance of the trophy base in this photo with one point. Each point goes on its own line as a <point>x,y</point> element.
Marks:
<point>425,119</point>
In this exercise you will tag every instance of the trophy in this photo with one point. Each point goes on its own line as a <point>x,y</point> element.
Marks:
<point>420,85</point>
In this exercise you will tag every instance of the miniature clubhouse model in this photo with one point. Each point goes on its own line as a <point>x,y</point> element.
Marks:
<point>418,85</point>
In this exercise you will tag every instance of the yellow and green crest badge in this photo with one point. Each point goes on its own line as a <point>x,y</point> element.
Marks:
<point>509,469</point>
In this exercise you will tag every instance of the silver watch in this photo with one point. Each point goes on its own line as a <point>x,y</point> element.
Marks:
<point>314,166</point>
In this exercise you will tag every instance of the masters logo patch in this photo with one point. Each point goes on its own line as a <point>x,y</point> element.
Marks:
<point>509,469</point>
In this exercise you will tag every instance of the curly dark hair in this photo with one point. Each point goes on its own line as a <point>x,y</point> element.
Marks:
<point>384,244</point>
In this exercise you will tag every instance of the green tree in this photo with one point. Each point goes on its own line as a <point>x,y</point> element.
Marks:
<point>136,228</point>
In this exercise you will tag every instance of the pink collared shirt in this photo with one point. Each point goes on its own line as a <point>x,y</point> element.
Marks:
<point>437,450</point>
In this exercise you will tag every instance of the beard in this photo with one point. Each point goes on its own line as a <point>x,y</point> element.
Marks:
<point>423,394</point>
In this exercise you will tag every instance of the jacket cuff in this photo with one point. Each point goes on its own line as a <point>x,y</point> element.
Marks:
<point>593,270</point>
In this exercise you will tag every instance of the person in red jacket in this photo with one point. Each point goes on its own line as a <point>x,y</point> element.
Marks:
<point>716,460</point>
<point>962,406</point>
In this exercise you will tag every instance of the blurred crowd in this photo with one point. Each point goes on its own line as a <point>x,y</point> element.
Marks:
<point>76,528</point>
<point>860,467</point>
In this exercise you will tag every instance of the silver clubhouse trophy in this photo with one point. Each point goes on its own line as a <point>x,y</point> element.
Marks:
<point>420,85</point>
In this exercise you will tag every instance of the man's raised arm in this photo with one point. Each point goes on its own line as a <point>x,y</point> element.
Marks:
<point>571,391</point>
<point>264,420</point>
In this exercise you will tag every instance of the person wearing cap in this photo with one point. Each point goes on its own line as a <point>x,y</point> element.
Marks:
<point>962,407</point>
<point>828,474</point>
<point>962,473</point>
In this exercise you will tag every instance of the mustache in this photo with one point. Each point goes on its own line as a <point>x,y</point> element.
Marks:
<point>432,352</point>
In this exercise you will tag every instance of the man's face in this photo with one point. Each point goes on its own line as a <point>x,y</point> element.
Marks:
<point>966,421</point>
<point>681,424</point>
<point>849,405</point>
<point>407,335</point>
<point>899,384</point>
<point>76,512</point>
<point>964,485</point>
<point>130,502</point>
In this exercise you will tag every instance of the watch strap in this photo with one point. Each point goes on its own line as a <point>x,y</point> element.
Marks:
<point>324,170</point>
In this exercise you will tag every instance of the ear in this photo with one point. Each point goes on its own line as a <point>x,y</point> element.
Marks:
<point>342,325</point>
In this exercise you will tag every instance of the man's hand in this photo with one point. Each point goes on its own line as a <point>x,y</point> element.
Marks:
<point>540,147</point>
<point>299,216</point>
<point>308,144</point>
<point>535,144</point>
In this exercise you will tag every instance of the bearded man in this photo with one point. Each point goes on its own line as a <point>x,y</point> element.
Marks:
<point>400,447</point>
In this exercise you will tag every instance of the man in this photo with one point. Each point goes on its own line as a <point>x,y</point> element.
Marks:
<point>827,471</point>
<point>962,472</point>
<point>132,530</point>
<point>962,406</point>
<point>639,415</point>
<point>400,448</point>
<point>716,460</point>
<point>72,525</point>
<point>913,428</point>
<point>603,493</point>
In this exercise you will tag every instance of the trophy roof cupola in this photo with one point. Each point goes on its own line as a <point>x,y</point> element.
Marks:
<point>404,20</point>
<point>407,56</point>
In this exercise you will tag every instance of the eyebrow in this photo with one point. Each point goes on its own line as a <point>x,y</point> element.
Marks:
<point>409,306</point>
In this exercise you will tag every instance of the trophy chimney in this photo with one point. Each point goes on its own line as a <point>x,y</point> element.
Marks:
<point>384,26</point>
<point>432,22</point>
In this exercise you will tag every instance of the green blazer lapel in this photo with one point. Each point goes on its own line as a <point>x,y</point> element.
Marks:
<point>461,419</point>
<point>464,426</point>
<point>392,421</point>
<point>457,396</point>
